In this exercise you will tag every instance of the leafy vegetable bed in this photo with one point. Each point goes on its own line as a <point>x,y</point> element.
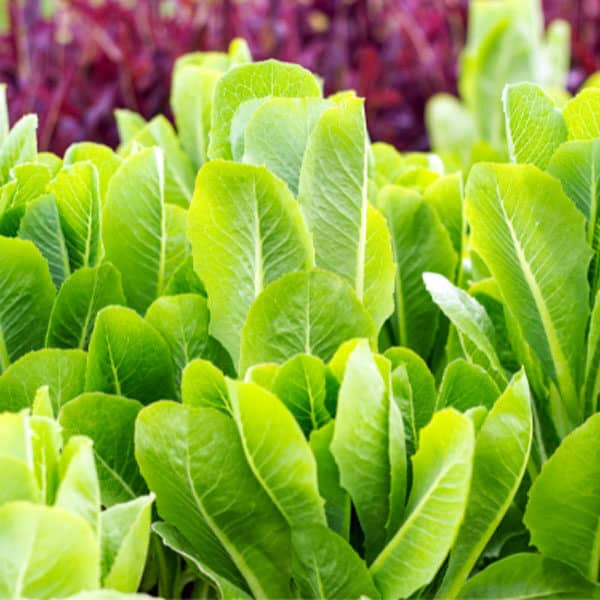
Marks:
<point>318,369</point>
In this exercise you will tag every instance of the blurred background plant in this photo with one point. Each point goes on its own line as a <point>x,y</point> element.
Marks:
<point>75,61</point>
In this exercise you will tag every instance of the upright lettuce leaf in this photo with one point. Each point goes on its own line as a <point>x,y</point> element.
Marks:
<point>563,512</point>
<point>580,115</point>
<point>248,82</point>
<point>333,192</point>
<point>26,297</point>
<point>435,508</point>
<point>19,146</point>
<point>532,239</point>
<point>310,313</point>
<point>143,237</point>
<point>246,231</point>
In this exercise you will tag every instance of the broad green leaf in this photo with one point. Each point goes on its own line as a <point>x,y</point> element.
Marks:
<point>101,156</point>
<point>501,453</point>
<point>473,325</point>
<point>41,225</point>
<point>63,371</point>
<point>563,512</point>
<point>17,460</point>
<point>310,313</point>
<point>263,374</point>
<point>413,387</point>
<point>128,357</point>
<point>466,385</point>
<point>534,125</point>
<point>441,477</point>
<point>577,166</point>
<point>125,535</point>
<point>26,297</point>
<point>128,124</point>
<point>19,146</point>
<point>592,365</point>
<point>173,539</point>
<point>368,446</point>
<point>192,91</point>
<point>76,189</point>
<point>79,489</point>
<point>528,576</point>
<point>183,323</point>
<point>532,239</point>
<point>178,169</point>
<point>325,566</point>
<point>446,196</point>
<point>580,114</point>
<point>277,453</point>
<point>109,421</point>
<point>277,133</point>
<point>143,237</point>
<point>270,78</point>
<point>45,552</point>
<point>388,163</point>
<point>421,243</point>
<point>349,235</point>
<point>193,460</point>
<point>302,385</point>
<point>185,280</point>
<point>46,445</point>
<point>337,501</point>
<point>81,297</point>
<point>202,384</point>
<point>51,161</point>
<point>246,231</point>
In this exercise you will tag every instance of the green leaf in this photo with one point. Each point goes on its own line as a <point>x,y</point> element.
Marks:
<point>79,490</point>
<point>246,231</point>
<point>77,191</point>
<point>414,390</point>
<point>441,477</point>
<point>291,316</point>
<point>337,501</point>
<point>534,125</point>
<point>193,460</point>
<point>41,225</point>
<point>473,325</point>
<point>580,115</point>
<point>101,156</point>
<point>81,297</point>
<point>277,134</point>
<point>528,576</point>
<point>192,91</point>
<point>349,235</point>
<point>466,385</point>
<point>591,390</point>
<point>183,323</point>
<point>45,552</point>
<point>19,146</point>
<point>270,78</point>
<point>179,171</point>
<point>563,512</point>
<point>16,461</point>
<point>125,535</point>
<point>532,239</point>
<point>325,566</point>
<point>128,357</point>
<point>143,237</point>
<point>109,421</point>
<point>577,166</point>
<point>302,385</point>
<point>421,243</point>
<point>26,297</point>
<point>128,124</point>
<point>185,280</point>
<point>368,446</point>
<point>202,384</point>
<point>173,539</point>
<point>63,371</point>
<point>501,453</point>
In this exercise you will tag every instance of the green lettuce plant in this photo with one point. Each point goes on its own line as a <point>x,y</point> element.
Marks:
<point>341,371</point>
